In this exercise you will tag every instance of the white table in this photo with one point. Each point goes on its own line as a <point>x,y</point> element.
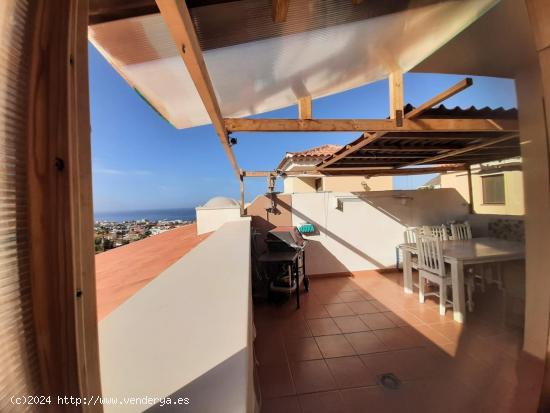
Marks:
<point>461,253</point>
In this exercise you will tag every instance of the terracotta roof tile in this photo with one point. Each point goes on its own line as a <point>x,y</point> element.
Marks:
<point>317,152</point>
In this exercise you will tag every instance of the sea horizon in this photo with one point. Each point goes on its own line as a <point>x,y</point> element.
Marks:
<point>170,214</point>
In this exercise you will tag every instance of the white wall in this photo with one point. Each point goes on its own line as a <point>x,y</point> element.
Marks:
<point>188,333</point>
<point>365,233</point>
<point>210,219</point>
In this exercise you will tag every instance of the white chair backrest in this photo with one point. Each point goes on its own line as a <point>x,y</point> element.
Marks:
<point>430,255</point>
<point>410,235</point>
<point>461,231</point>
<point>438,231</point>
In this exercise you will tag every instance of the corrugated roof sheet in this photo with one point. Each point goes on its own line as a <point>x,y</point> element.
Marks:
<point>472,112</point>
<point>258,65</point>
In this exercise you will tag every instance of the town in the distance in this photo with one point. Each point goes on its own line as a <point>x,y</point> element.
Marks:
<point>111,234</point>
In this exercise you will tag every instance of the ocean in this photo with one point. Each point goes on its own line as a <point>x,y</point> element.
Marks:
<point>185,214</point>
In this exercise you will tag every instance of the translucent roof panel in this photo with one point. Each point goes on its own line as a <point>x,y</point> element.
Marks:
<point>270,71</point>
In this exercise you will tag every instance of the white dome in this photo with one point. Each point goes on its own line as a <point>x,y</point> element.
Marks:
<point>221,202</point>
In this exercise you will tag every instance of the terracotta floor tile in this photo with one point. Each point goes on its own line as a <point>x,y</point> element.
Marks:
<point>334,346</point>
<point>270,348</point>
<point>472,367</point>
<point>379,305</point>
<point>377,321</point>
<point>395,318</point>
<point>365,400</point>
<point>328,298</point>
<point>315,311</point>
<point>302,349</point>
<point>323,327</point>
<point>365,294</point>
<point>432,316</point>
<point>427,334</point>
<point>365,342</point>
<point>395,338</point>
<point>403,318</point>
<point>312,376</point>
<point>276,381</point>
<point>339,310</point>
<point>410,364</point>
<point>323,402</point>
<point>363,307</point>
<point>287,404</point>
<point>350,324</point>
<point>451,330</point>
<point>351,296</point>
<point>351,372</point>
<point>294,329</point>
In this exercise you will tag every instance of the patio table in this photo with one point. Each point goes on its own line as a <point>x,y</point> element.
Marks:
<point>459,253</point>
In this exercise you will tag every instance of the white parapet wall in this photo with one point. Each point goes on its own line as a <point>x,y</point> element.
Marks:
<point>216,212</point>
<point>210,219</point>
<point>357,232</point>
<point>186,334</point>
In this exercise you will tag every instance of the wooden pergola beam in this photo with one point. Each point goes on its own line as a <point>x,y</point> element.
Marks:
<point>258,174</point>
<point>279,10</point>
<point>357,171</point>
<point>393,80</point>
<point>394,171</point>
<point>370,125</point>
<point>363,141</point>
<point>453,90</point>
<point>400,149</point>
<point>465,150</point>
<point>179,23</point>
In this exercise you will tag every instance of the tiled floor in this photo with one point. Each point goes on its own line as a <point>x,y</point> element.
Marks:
<point>328,355</point>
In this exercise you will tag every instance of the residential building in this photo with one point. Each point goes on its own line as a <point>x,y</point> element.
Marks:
<point>305,161</point>
<point>496,187</point>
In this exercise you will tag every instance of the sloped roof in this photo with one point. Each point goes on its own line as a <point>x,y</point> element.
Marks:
<point>317,152</point>
<point>399,149</point>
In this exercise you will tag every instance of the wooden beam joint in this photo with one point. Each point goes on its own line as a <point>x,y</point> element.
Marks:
<point>279,10</point>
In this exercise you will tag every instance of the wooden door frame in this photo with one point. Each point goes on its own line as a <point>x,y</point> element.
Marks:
<point>60,203</point>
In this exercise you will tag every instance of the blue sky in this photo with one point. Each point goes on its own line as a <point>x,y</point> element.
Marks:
<point>140,161</point>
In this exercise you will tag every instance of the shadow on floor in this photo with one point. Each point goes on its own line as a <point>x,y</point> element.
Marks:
<point>328,355</point>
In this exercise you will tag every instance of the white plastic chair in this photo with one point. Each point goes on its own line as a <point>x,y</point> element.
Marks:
<point>431,267</point>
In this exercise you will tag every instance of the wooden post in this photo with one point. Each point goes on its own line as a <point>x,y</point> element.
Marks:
<point>396,94</point>
<point>60,203</point>
<point>279,10</point>
<point>305,107</point>
<point>470,191</point>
